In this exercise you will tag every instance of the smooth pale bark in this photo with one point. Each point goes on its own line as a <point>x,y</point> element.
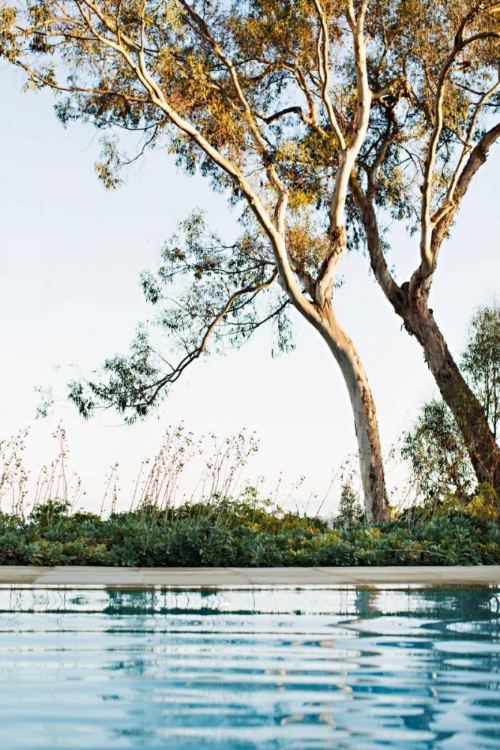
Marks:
<point>365,416</point>
<point>482,447</point>
<point>341,346</point>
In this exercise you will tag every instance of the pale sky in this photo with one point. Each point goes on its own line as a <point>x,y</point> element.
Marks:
<point>70,258</point>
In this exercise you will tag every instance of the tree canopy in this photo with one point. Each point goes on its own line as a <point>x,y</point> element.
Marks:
<point>281,104</point>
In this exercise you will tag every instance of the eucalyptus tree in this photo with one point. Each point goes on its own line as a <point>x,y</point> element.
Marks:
<point>242,92</point>
<point>326,120</point>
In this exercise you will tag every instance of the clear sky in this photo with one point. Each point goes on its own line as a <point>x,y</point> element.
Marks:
<point>70,258</point>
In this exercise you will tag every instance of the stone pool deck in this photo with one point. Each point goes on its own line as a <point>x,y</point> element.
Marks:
<point>83,576</point>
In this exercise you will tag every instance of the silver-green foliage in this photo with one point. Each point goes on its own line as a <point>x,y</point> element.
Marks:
<point>207,296</point>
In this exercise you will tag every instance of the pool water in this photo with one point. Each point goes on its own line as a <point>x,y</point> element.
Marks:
<point>264,669</point>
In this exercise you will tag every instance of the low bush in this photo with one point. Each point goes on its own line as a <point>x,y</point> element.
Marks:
<point>248,532</point>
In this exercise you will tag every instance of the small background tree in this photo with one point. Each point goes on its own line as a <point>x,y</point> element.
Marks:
<point>481,362</point>
<point>350,510</point>
<point>437,455</point>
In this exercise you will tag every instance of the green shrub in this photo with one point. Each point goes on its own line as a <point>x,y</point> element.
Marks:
<point>248,533</point>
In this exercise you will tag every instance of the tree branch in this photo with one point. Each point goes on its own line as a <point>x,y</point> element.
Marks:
<point>427,257</point>
<point>282,112</point>
<point>444,217</point>
<point>324,72</point>
<point>377,258</point>
<point>273,229</point>
<point>348,156</point>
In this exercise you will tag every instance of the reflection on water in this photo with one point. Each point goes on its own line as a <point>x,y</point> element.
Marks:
<point>278,669</point>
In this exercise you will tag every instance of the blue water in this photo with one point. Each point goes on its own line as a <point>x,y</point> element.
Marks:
<point>277,669</point>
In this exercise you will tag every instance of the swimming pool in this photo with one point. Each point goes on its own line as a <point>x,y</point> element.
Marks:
<point>266,669</point>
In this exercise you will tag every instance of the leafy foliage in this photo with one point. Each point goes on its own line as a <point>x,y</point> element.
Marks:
<point>208,296</point>
<point>202,55</point>
<point>241,532</point>
<point>437,455</point>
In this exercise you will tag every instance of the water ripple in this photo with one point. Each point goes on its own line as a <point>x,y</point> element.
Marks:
<point>281,669</point>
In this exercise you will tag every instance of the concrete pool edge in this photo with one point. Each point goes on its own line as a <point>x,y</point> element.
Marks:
<point>83,576</point>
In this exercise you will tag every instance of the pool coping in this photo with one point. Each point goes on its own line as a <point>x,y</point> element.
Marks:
<point>111,577</point>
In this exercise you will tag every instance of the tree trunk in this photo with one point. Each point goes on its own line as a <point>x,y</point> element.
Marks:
<point>471,419</point>
<point>365,418</point>
<point>410,303</point>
